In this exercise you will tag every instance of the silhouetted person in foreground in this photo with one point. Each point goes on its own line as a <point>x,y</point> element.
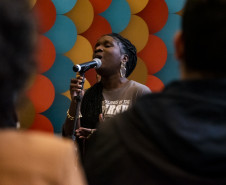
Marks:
<point>26,157</point>
<point>177,136</point>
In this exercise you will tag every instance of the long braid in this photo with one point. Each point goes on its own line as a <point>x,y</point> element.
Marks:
<point>92,106</point>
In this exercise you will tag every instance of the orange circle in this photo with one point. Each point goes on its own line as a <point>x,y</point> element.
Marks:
<point>154,54</point>
<point>42,123</point>
<point>155,14</point>
<point>154,83</point>
<point>91,76</point>
<point>100,6</point>
<point>46,54</point>
<point>99,27</point>
<point>42,93</point>
<point>45,12</point>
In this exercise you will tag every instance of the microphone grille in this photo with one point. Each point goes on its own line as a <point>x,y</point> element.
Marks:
<point>99,63</point>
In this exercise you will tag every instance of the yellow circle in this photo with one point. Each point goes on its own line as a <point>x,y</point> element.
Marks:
<point>81,52</point>
<point>140,73</point>
<point>137,5</point>
<point>82,15</point>
<point>32,3</point>
<point>137,32</point>
<point>26,113</point>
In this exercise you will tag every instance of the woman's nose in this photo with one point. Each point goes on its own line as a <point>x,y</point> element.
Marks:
<point>98,49</point>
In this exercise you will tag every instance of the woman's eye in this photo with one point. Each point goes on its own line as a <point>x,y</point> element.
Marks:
<point>108,45</point>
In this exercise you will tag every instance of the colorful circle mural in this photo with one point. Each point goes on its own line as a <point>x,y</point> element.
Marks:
<point>45,54</point>
<point>155,15</point>
<point>66,6</point>
<point>155,54</point>
<point>41,93</point>
<point>82,15</point>
<point>137,32</point>
<point>68,31</point>
<point>118,15</point>
<point>45,12</point>
<point>63,34</point>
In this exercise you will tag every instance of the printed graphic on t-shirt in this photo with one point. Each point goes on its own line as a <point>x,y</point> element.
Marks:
<point>111,108</point>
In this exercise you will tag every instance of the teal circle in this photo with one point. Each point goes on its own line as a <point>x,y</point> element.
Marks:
<point>57,112</point>
<point>64,6</point>
<point>170,71</point>
<point>63,34</point>
<point>175,5</point>
<point>118,15</point>
<point>61,73</point>
<point>169,30</point>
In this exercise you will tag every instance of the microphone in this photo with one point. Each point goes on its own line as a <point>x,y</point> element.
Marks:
<point>95,63</point>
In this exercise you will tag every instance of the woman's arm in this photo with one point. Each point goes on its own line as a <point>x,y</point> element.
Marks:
<point>75,89</point>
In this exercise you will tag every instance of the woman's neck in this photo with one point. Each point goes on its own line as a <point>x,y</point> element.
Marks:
<point>113,82</point>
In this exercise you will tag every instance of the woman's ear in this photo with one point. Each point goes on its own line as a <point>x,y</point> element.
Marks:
<point>125,58</point>
<point>179,46</point>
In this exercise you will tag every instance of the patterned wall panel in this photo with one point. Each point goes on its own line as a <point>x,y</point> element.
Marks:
<point>68,31</point>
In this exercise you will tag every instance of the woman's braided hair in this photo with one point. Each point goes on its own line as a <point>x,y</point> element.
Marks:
<point>129,49</point>
<point>92,101</point>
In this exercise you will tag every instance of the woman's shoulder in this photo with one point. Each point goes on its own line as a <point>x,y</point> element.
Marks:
<point>140,87</point>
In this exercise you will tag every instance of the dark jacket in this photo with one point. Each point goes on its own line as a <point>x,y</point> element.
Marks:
<point>174,137</point>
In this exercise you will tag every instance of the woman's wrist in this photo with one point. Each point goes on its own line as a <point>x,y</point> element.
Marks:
<point>70,117</point>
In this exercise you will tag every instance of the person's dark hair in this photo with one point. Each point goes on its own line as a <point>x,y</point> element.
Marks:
<point>17,31</point>
<point>129,49</point>
<point>203,31</point>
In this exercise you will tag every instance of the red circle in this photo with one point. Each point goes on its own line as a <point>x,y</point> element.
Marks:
<point>91,76</point>
<point>155,15</point>
<point>100,6</point>
<point>154,83</point>
<point>45,12</point>
<point>42,93</point>
<point>45,54</point>
<point>154,54</point>
<point>42,123</point>
<point>99,27</point>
